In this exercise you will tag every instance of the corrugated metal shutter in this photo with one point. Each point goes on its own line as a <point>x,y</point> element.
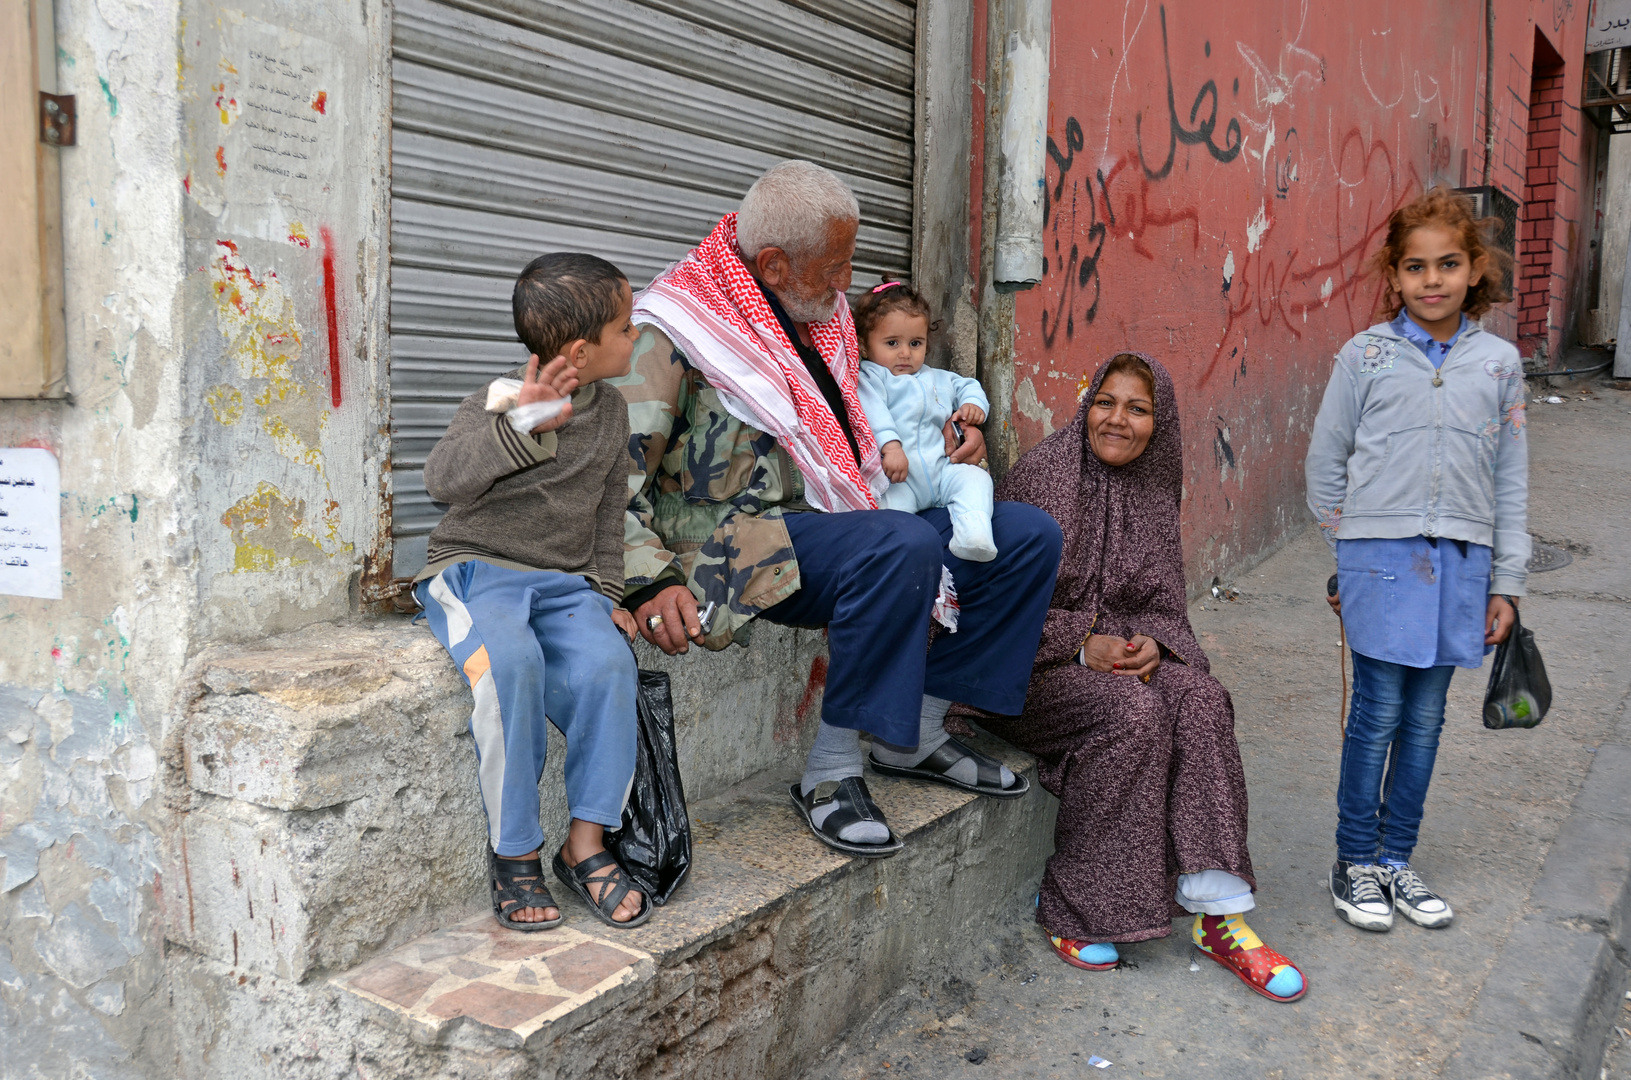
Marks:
<point>621,128</point>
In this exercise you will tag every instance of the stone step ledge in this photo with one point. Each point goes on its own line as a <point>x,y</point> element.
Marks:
<point>773,948</point>
<point>333,764</point>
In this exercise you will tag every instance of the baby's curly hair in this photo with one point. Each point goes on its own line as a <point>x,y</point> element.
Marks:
<point>888,297</point>
<point>1453,211</point>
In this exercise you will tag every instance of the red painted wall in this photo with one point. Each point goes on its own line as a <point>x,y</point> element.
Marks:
<point>1219,174</point>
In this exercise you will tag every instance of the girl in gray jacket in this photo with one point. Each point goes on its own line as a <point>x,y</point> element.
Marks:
<point>1418,472</point>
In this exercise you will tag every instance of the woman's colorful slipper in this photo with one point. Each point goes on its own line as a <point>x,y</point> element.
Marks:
<point>1228,940</point>
<point>1089,955</point>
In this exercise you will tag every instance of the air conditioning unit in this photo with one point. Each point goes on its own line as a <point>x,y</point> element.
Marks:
<point>1490,201</point>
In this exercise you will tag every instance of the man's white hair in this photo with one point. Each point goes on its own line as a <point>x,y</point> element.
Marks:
<point>791,207</point>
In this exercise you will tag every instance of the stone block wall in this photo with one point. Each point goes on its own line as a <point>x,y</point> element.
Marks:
<point>325,785</point>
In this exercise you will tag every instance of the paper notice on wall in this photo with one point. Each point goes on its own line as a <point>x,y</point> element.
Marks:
<point>266,151</point>
<point>1610,26</point>
<point>30,524</point>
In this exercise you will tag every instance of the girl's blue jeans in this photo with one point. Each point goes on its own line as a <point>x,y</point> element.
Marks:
<point>1387,757</point>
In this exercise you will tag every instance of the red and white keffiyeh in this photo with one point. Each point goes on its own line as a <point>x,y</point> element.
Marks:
<point>712,310</point>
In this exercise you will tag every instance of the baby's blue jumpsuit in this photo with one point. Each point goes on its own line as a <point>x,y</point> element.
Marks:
<point>913,409</point>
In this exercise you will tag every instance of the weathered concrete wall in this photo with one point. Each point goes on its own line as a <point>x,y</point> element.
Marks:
<point>84,680</point>
<point>1218,176</point>
<point>1603,319</point>
<point>286,212</point>
<point>212,486</point>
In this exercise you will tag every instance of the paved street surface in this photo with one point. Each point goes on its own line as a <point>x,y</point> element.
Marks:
<point>1617,1058</point>
<point>1379,1005</point>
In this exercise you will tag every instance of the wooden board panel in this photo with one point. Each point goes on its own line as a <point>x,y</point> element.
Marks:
<point>32,356</point>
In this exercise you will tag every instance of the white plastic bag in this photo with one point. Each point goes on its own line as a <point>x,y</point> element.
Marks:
<point>504,395</point>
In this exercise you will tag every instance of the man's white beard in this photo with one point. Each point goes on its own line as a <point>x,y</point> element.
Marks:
<point>803,310</point>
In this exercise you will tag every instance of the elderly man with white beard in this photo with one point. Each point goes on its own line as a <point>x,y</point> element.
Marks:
<point>755,486</point>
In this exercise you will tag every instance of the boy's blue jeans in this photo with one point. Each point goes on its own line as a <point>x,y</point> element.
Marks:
<point>1387,757</point>
<point>532,642</point>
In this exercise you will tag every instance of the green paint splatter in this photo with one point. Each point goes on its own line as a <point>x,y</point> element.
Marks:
<point>112,505</point>
<point>113,102</point>
<point>62,54</point>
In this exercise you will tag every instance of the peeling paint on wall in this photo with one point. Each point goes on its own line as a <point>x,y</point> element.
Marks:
<point>256,317</point>
<point>227,403</point>
<point>80,771</point>
<point>1030,406</point>
<point>289,481</point>
<point>270,531</point>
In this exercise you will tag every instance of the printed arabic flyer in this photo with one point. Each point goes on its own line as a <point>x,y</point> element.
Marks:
<point>30,523</point>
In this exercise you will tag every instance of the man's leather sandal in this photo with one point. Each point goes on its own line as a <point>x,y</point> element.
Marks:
<point>854,804</point>
<point>988,771</point>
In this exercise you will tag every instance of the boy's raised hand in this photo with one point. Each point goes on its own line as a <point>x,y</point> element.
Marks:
<point>551,382</point>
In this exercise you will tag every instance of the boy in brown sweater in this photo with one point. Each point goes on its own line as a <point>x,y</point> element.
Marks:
<point>523,579</point>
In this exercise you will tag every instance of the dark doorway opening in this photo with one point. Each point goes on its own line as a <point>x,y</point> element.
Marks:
<point>1539,217</point>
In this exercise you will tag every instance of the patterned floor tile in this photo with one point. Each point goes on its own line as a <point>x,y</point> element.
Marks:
<point>512,982</point>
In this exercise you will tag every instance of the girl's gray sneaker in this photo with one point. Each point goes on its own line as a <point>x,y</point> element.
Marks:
<point>1361,894</point>
<point>1416,901</point>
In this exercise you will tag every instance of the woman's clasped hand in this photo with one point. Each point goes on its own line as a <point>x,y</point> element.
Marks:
<point>1138,655</point>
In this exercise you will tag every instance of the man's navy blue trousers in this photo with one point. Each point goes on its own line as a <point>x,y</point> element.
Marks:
<point>871,576</point>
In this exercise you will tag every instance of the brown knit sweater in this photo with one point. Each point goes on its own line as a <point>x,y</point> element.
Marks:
<point>534,502</point>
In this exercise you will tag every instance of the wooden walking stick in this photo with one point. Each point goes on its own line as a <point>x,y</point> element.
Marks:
<point>1342,659</point>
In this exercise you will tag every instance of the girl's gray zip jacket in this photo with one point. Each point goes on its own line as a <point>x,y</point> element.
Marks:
<point>1402,450</point>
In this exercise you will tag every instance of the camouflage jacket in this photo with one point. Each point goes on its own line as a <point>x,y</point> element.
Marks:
<point>706,494</point>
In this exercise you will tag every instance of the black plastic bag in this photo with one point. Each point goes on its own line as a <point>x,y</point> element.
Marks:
<point>1519,692</point>
<point>654,843</point>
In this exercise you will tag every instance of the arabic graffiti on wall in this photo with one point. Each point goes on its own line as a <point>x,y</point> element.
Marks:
<point>1218,177</point>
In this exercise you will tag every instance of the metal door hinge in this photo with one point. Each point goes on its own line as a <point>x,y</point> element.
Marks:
<point>57,119</point>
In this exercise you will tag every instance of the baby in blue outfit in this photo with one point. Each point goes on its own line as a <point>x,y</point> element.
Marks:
<point>907,406</point>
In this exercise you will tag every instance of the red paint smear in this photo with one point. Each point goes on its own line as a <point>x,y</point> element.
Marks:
<point>818,680</point>
<point>187,183</point>
<point>332,312</point>
<point>233,268</point>
<point>320,103</point>
<point>221,160</point>
<point>56,654</point>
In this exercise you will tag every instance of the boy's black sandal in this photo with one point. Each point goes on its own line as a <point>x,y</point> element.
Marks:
<point>580,880</point>
<point>518,884</point>
<point>934,768</point>
<point>854,804</point>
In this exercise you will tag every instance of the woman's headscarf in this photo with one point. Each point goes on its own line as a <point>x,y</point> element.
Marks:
<point>1122,568</point>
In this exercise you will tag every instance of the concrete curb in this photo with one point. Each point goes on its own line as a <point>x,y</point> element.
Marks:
<point>1548,1002</point>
